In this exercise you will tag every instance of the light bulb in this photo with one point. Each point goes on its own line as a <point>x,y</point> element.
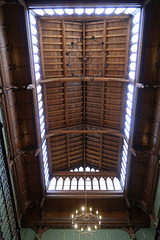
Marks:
<point>81,229</point>
<point>75,226</point>
<point>99,222</point>
<point>76,211</point>
<point>89,229</point>
<point>95,226</point>
<point>100,217</point>
<point>97,212</point>
<point>82,209</point>
<point>90,209</point>
<point>72,216</point>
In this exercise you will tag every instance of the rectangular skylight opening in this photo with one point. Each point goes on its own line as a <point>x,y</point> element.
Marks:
<point>132,68</point>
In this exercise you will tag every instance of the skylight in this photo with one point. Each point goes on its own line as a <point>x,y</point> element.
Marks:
<point>108,183</point>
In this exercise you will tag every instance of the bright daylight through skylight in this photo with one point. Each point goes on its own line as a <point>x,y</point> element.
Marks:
<point>105,183</point>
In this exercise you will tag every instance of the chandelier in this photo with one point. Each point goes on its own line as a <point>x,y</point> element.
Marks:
<point>86,222</point>
<point>88,58</point>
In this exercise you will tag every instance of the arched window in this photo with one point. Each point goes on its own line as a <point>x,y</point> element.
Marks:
<point>74,184</point>
<point>95,184</point>
<point>59,184</point>
<point>88,184</point>
<point>102,184</point>
<point>66,184</point>
<point>81,184</point>
<point>110,184</point>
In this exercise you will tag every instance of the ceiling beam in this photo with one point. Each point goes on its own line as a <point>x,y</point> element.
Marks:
<point>81,174</point>
<point>68,151</point>
<point>84,131</point>
<point>86,79</point>
<point>100,157</point>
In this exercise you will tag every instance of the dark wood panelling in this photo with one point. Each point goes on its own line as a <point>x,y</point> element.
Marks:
<point>19,105</point>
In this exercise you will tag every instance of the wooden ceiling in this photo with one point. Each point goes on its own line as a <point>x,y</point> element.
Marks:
<point>84,106</point>
<point>35,208</point>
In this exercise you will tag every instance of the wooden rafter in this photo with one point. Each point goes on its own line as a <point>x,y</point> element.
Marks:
<point>100,157</point>
<point>87,79</point>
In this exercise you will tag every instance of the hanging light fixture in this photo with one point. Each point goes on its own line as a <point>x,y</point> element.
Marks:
<point>88,58</point>
<point>86,222</point>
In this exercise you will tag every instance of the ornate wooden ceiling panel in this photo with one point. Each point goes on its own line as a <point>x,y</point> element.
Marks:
<point>91,105</point>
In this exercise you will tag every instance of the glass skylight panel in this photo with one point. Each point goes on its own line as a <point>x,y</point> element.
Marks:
<point>36,58</point>
<point>99,10</point>
<point>89,11</point>
<point>130,10</point>
<point>128,119</point>
<point>130,96</point>
<point>40,105</point>
<point>33,29</point>
<point>127,126</point>
<point>49,11</point>
<point>129,104</point>
<point>32,19</point>
<point>36,67</point>
<point>135,29</point>
<point>133,57</point>
<point>109,10</point>
<point>131,88</point>
<point>42,134</point>
<point>128,110</point>
<point>134,48</point>
<point>39,97</point>
<point>40,112</point>
<point>35,50</point>
<point>132,66</point>
<point>69,11</point>
<point>38,12</point>
<point>136,18</point>
<point>134,38</point>
<point>34,39</point>
<point>79,11</point>
<point>41,119</point>
<point>38,75</point>
<point>39,88</point>
<point>119,10</point>
<point>126,133</point>
<point>59,11</point>
<point>132,75</point>
<point>42,126</point>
